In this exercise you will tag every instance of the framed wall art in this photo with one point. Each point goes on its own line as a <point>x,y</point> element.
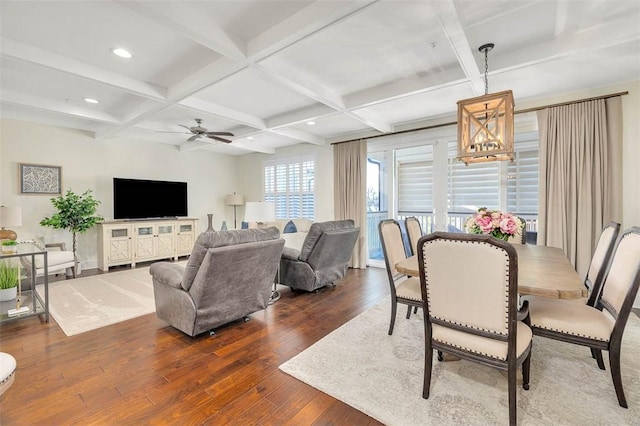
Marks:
<point>40,179</point>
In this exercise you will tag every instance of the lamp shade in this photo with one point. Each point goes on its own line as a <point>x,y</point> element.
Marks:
<point>234,200</point>
<point>10,216</point>
<point>259,212</point>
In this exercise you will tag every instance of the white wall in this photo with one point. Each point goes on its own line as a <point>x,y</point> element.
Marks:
<point>251,179</point>
<point>88,164</point>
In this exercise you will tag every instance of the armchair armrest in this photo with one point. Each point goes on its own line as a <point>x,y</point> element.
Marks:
<point>61,246</point>
<point>167,273</point>
<point>289,253</point>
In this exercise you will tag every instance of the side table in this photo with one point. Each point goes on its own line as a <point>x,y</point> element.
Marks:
<point>29,298</point>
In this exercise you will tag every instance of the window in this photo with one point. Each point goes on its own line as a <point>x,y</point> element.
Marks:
<point>289,183</point>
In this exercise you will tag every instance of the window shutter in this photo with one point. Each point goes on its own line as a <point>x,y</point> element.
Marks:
<point>415,187</point>
<point>289,183</point>
<point>473,186</point>
<point>522,183</point>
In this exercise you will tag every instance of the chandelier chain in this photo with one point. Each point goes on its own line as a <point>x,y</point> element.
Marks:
<point>486,71</point>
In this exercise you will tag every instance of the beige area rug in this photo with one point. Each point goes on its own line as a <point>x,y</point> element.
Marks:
<point>382,375</point>
<point>88,303</point>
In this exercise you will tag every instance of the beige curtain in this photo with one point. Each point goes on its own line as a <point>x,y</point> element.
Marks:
<point>349,192</point>
<point>580,187</point>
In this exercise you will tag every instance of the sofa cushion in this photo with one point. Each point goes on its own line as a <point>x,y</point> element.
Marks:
<point>289,228</point>
<point>209,239</point>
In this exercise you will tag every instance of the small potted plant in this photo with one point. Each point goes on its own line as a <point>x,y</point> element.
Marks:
<point>9,246</point>
<point>9,279</point>
<point>76,213</point>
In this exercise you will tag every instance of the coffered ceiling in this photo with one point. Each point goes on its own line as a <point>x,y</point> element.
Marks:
<point>265,70</point>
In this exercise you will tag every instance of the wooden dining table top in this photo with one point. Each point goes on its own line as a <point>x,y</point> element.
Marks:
<point>542,271</point>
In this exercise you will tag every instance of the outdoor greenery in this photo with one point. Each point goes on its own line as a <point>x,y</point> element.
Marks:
<point>9,273</point>
<point>76,213</point>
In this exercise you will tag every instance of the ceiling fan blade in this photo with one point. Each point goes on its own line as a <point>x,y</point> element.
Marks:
<point>188,128</point>
<point>219,139</point>
<point>220,134</point>
<point>193,138</point>
<point>169,131</point>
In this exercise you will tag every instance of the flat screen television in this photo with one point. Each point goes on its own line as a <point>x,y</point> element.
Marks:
<point>143,199</point>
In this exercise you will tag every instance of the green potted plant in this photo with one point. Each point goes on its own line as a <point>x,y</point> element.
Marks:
<point>9,246</point>
<point>76,213</point>
<point>9,278</point>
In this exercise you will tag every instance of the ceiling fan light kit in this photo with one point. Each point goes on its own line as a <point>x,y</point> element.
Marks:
<point>485,123</point>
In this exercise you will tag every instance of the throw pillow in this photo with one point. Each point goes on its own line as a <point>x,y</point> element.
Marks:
<point>244,225</point>
<point>290,228</point>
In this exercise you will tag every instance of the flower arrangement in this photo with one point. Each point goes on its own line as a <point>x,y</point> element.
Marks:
<point>493,222</point>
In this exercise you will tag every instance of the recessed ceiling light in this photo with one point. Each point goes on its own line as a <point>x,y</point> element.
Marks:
<point>311,123</point>
<point>91,100</point>
<point>123,53</point>
<point>250,138</point>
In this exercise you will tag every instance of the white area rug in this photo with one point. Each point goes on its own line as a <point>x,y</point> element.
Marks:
<point>84,304</point>
<point>382,375</point>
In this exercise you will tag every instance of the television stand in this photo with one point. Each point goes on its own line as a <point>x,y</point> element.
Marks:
<point>127,242</point>
<point>152,219</point>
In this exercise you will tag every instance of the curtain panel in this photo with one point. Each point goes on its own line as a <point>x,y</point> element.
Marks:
<point>349,192</point>
<point>580,188</point>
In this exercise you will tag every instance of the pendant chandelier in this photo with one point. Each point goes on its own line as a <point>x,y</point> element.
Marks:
<point>485,123</point>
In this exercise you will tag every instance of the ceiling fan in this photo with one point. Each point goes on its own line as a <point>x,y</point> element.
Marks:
<point>198,131</point>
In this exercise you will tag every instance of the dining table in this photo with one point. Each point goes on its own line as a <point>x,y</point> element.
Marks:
<point>542,271</point>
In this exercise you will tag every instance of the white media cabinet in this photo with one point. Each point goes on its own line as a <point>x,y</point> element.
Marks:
<point>123,242</point>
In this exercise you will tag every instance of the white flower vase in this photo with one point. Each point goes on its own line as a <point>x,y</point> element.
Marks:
<point>7,294</point>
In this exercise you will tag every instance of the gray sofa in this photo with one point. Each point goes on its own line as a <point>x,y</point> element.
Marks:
<point>323,258</point>
<point>229,275</point>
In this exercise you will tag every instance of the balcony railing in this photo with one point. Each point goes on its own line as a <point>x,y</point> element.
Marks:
<point>455,222</point>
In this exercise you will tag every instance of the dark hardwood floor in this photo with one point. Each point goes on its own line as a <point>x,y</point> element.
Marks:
<point>142,371</point>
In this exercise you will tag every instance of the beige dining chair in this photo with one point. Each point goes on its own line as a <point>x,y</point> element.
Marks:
<point>414,232</point>
<point>483,324</point>
<point>403,289</point>
<point>598,327</point>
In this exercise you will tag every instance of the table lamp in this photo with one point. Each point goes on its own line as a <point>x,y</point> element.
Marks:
<point>234,200</point>
<point>259,212</point>
<point>9,216</point>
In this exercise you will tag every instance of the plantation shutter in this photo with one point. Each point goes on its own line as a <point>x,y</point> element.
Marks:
<point>289,183</point>
<point>415,187</point>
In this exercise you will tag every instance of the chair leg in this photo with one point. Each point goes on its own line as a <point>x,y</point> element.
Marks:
<point>394,306</point>
<point>614,364</point>
<point>598,357</point>
<point>408,311</point>
<point>526,369</point>
<point>511,373</point>
<point>415,309</point>
<point>428,361</point>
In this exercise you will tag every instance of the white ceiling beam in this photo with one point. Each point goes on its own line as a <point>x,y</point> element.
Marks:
<point>34,55</point>
<point>36,102</point>
<point>193,25</point>
<point>317,16</point>
<point>313,112</point>
<point>224,112</point>
<point>299,135</point>
<point>452,27</point>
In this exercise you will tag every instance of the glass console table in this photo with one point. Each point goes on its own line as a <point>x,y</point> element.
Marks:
<point>29,298</point>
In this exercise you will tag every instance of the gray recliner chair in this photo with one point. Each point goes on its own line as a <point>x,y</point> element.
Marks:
<point>323,258</point>
<point>229,276</point>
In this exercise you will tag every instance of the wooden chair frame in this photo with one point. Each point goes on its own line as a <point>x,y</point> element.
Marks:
<point>512,362</point>
<point>393,276</point>
<point>615,341</point>
<point>413,241</point>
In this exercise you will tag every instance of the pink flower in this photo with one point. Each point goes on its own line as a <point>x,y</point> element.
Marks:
<point>508,226</point>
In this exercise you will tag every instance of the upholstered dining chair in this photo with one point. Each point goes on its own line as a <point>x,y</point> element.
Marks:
<point>403,289</point>
<point>520,236</point>
<point>414,231</point>
<point>598,327</point>
<point>472,311</point>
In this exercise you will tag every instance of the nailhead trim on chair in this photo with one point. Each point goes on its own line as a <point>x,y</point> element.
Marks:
<point>556,330</point>
<point>471,350</point>
<point>506,290</point>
